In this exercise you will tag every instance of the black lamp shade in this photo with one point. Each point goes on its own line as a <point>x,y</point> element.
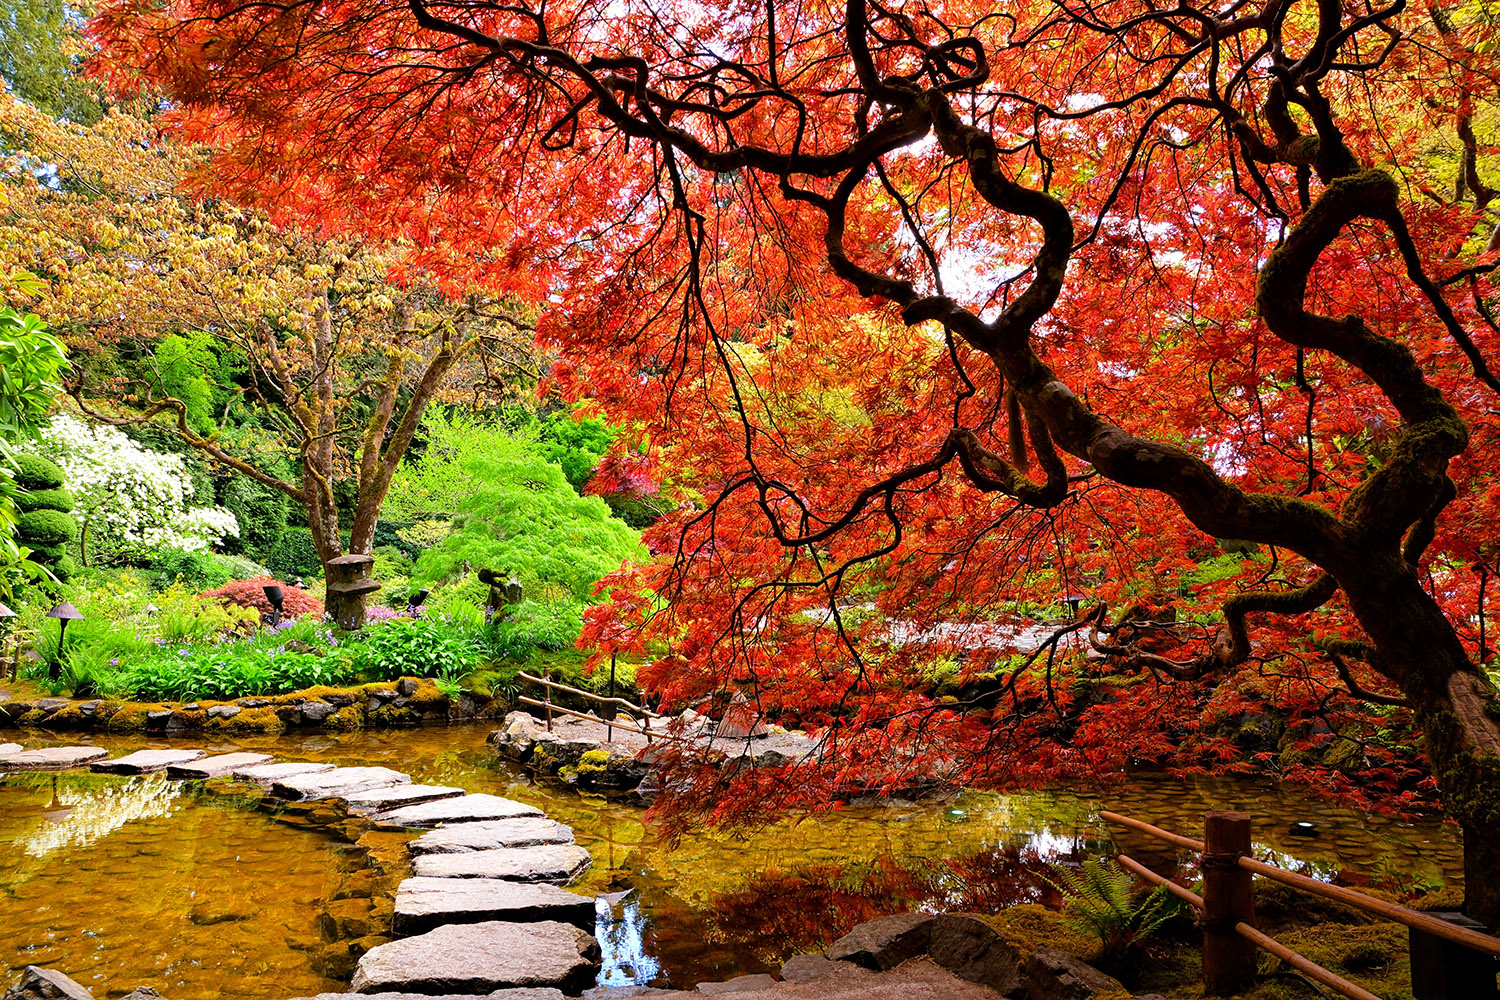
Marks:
<point>274,595</point>
<point>66,612</point>
<point>420,597</point>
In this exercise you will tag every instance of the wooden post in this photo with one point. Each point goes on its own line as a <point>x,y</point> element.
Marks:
<point>1228,899</point>
<point>610,708</point>
<point>1446,970</point>
<point>547,695</point>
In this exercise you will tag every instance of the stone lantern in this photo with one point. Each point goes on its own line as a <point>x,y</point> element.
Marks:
<point>349,587</point>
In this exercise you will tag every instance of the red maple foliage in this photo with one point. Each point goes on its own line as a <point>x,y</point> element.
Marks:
<point>295,602</point>
<point>935,316</point>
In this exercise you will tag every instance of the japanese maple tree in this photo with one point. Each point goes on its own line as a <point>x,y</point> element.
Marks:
<point>935,306</point>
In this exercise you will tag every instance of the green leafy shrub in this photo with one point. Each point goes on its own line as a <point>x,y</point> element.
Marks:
<point>294,555</point>
<point>36,473</point>
<point>198,570</point>
<point>51,499</point>
<point>261,513</point>
<point>535,625</point>
<point>411,647</point>
<point>46,527</point>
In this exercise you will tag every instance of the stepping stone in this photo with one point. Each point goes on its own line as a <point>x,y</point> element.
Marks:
<point>143,761</point>
<point>337,783</point>
<point>549,863</point>
<point>468,809</point>
<point>423,904</point>
<point>51,758</point>
<point>395,796</point>
<point>6,749</point>
<point>482,957</point>
<point>264,774</point>
<point>213,767</point>
<point>490,834</point>
<point>525,993</point>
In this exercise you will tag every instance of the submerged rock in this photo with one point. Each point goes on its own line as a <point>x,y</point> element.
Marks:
<point>481,957</point>
<point>46,984</point>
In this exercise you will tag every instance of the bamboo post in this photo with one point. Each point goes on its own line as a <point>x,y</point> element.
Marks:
<point>547,694</point>
<point>1228,900</point>
<point>610,709</point>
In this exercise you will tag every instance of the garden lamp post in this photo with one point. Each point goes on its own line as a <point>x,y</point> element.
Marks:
<point>64,613</point>
<point>275,596</point>
<point>416,601</point>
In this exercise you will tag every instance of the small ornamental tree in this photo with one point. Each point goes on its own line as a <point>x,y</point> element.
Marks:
<point>295,601</point>
<point>131,501</point>
<point>45,525</point>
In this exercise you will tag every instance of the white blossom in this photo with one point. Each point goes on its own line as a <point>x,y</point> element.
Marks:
<point>130,500</point>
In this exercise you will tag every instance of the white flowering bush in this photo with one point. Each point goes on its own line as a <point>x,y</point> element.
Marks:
<point>132,502</point>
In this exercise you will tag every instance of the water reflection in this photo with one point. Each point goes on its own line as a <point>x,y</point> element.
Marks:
<point>622,932</point>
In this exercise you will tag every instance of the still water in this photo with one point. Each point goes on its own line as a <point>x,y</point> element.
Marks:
<point>123,882</point>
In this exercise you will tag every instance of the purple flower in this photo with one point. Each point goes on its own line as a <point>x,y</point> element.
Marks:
<point>114,661</point>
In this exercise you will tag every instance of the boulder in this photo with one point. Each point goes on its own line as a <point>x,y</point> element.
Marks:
<point>482,957</point>
<point>6,749</point>
<point>51,759</point>
<point>316,711</point>
<point>213,767</point>
<point>528,831</point>
<point>546,863</point>
<point>971,949</point>
<point>142,993</point>
<point>806,968</point>
<point>423,904</point>
<point>885,942</point>
<point>739,984</point>
<point>143,761</point>
<point>46,984</point>
<point>466,809</point>
<point>1054,975</point>
<point>336,783</point>
<point>224,711</point>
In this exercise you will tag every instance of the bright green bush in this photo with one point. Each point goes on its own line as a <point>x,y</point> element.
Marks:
<point>36,473</point>
<point>519,514</point>
<point>46,527</point>
<point>533,625</point>
<point>411,647</point>
<point>53,499</point>
<point>195,570</point>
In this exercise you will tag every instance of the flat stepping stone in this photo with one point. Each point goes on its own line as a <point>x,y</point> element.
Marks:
<point>467,809</point>
<point>548,863</point>
<point>487,835</point>
<point>336,783</point>
<point>424,904</point>
<point>525,993</point>
<point>144,761</point>
<point>481,957</point>
<point>213,767</point>
<point>265,774</point>
<point>395,796</point>
<point>6,749</point>
<point>51,758</point>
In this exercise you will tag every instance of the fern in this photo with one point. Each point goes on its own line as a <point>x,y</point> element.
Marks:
<point>1099,900</point>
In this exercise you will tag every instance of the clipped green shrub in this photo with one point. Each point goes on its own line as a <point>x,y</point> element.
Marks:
<point>47,527</point>
<point>53,499</point>
<point>196,570</point>
<point>48,553</point>
<point>36,473</point>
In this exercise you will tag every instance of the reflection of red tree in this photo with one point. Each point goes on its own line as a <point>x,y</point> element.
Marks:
<point>783,913</point>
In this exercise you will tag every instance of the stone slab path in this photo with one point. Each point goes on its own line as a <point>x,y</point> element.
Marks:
<point>482,957</point>
<point>544,863</point>
<point>424,904</point>
<point>51,758</point>
<point>145,761</point>
<point>395,796</point>
<point>214,767</point>
<point>468,809</point>
<point>478,919</point>
<point>486,835</point>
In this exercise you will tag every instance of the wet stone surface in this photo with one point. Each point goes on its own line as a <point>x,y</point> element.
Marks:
<point>547,863</point>
<point>423,904</point>
<point>482,957</point>
<point>468,809</point>
<point>490,834</point>
<point>145,761</point>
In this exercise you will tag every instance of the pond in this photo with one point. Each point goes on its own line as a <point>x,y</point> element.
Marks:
<point>126,882</point>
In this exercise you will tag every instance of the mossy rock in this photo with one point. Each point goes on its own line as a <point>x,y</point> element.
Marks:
<point>593,763</point>
<point>395,715</point>
<point>1344,754</point>
<point>347,719</point>
<point>60,500</point>
<point>1029,926</point>
<point>47,527</point>
<point>36,473</point>
<point>67,717</point>
<point>132,717</point>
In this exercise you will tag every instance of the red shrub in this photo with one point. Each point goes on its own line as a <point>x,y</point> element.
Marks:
<point>295,601</point>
